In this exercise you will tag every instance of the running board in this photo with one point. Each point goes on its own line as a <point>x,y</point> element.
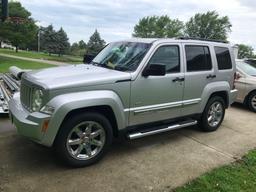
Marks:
<point>156,131</point>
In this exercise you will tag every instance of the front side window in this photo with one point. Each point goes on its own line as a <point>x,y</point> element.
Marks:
<point>168,55</point>
<point>122,56</point>
<point>223,58</point>
<point>198,58</point>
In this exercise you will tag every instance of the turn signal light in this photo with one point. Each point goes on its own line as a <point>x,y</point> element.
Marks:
<point>45,126</point>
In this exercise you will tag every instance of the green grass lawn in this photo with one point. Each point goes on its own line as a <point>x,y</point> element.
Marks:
<point>6,62</point>
<point>236,177</point>
<point>40,55</point>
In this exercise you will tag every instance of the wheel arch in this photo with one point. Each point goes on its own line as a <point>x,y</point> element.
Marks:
<point>107,103</point>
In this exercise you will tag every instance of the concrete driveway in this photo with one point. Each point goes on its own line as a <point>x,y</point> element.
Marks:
<point>156,163</point>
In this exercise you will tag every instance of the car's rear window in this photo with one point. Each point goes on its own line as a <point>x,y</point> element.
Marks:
<point>223,58</point>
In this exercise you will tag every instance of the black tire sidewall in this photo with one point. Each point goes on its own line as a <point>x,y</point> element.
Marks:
<point>68,125</point>
<point>250,101</point>
<point>204,125</point>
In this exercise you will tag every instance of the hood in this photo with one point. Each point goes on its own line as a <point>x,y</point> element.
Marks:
<point>75,76</point>
<point>251,80</point>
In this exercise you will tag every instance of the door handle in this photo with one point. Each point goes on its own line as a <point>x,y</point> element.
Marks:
<point>180,79</point>
<point>210,76</point>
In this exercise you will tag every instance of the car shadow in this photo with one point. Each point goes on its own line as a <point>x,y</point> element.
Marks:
<point>24,155</point>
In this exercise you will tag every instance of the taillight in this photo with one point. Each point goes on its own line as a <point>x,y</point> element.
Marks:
<point>236,77</point>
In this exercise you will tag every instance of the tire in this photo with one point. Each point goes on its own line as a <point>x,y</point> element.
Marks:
<point>252,101</point>
<point>217,116</point>
<point>83,139</point>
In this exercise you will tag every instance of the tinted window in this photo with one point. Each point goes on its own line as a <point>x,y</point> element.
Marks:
<point>198,58</point>
<point>223,58</point>
<point>168,56</point>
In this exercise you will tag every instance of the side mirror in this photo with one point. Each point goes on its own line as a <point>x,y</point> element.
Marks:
<point>238,75</point>
<point>88,58</point>
<point>154,70</point>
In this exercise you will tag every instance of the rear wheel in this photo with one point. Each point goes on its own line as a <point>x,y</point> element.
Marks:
<point>252,101</point>
<point>83,139</point>
<point>213,114</point>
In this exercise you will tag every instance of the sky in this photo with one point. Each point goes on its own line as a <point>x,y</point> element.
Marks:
<point>115,19</point>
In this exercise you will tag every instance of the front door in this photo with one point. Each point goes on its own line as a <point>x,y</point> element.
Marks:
<point>156,98</point>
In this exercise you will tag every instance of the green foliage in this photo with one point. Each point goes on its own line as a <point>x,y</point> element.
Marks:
<point>82,44</point>
<point>62,42</point>
<point>54,41</point>
<point>209,26</point>
<point>95,43</point>
<point>245,51</point>
<point>6,62</point>
<point>158,27</point>
<point>20,28</point>
<point>44,56</point>
<point>239,176</point>
<point>78,49</point>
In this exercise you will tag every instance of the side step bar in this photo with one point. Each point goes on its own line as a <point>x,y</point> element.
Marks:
<point>156,131</point>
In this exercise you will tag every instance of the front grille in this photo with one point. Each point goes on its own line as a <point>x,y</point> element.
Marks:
<point>25,95</point>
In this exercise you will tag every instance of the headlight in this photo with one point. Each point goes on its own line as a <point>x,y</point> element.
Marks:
<point>47,109</point>
<point>37,99</point>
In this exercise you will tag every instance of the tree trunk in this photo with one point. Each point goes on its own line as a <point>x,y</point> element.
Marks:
<point>17,49</point>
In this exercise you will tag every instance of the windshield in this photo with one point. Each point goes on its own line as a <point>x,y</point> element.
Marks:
<point>122,56</point>
<point>248,69</point>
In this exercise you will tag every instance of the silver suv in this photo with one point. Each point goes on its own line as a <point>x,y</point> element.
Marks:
<point>132,88</point>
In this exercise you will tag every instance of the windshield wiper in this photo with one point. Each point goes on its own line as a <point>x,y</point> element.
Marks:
<point>122,68</point>
<point>95,63</point>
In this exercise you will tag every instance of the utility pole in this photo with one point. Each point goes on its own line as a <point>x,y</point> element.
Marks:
<point>38,41</point>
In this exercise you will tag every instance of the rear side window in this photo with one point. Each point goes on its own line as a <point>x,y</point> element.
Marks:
<point>223,58</point>
<point>168,55</point>
<point>198,58</point>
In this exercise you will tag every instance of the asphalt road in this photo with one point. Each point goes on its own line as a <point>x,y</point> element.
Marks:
<point>156,163</point>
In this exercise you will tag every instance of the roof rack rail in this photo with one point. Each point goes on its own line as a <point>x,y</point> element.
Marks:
<point>202,39</point>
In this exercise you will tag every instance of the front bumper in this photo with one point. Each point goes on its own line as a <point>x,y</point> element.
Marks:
<point>232,96</point>
<point>27,124</point>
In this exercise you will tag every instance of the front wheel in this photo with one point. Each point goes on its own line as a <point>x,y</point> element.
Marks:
<point>213,114</point>
<point>83,139</point>
<point>252,101</point>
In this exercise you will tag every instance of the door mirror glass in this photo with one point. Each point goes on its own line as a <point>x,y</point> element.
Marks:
<point>154,70</point>
<point>88,58</point>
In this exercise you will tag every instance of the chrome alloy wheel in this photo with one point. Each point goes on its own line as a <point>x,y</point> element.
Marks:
<point>86,140</point>
<point>253,102</point>
<point>215,114</point>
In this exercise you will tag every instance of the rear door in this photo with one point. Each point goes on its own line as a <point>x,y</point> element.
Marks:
<point>199,71</point>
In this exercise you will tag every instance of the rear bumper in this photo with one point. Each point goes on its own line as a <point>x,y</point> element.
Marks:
<point>232,96</point>
<point>27,124</point>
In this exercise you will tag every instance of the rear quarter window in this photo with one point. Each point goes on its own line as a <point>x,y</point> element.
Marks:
<point>223,58</point>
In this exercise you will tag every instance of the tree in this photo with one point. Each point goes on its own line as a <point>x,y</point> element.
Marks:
<point>48,39</point>
<point>95,43</point>
<point>54,41</point>
<point>245,51</point>
<point>82,44</point>
<point>62,44</point>
<point>157,27</point>
<point>20,28</point>
<point>74,47</point>
<point>209,26</point>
